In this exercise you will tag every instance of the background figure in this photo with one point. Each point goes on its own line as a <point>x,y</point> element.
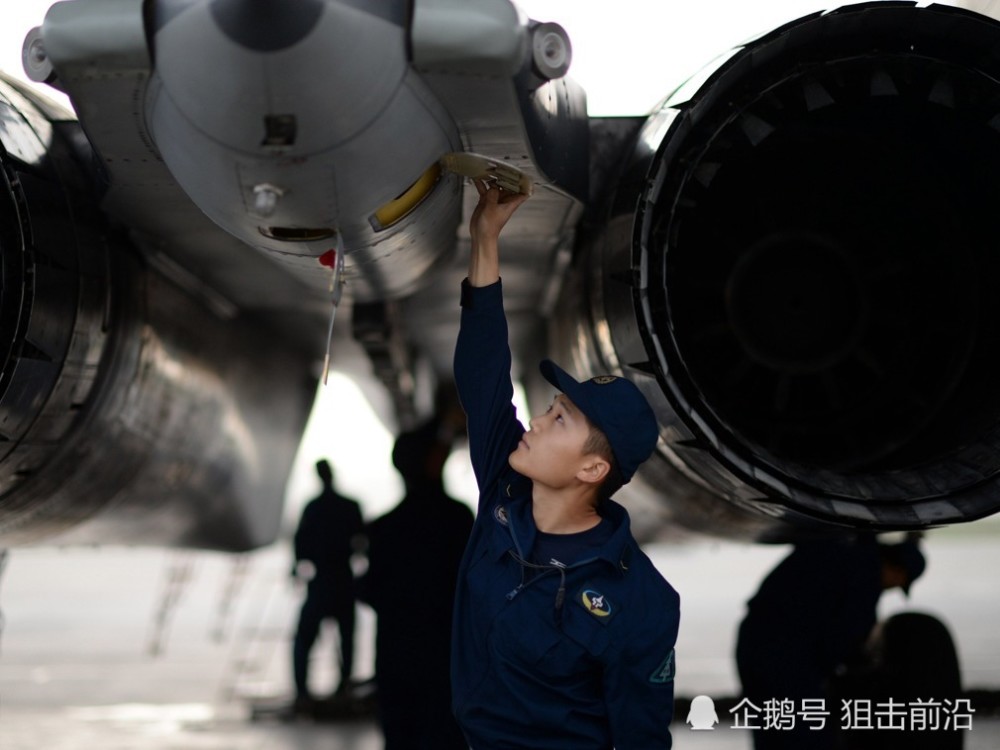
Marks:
<point>913,659</point>
<point>812,614</point>
<point>329,532</point>
<point>414,554</point>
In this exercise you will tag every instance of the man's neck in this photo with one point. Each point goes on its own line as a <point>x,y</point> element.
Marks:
<point>563,511</point>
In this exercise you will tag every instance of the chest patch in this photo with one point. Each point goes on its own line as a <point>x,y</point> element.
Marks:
<point>596,603</point>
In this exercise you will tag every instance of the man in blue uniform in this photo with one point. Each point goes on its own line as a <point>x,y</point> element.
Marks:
<point>812,614</point>
<point>329,531</point>
<point>564,631</point>
<point>414,602</point>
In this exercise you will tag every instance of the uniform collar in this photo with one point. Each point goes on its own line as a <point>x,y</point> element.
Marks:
<point>513,511</point>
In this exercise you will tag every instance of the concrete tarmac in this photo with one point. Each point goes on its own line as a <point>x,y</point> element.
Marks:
<point>117,648</point>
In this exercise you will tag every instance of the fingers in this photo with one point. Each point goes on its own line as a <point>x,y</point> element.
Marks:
<point>495,191</point>
<point>489,192</point>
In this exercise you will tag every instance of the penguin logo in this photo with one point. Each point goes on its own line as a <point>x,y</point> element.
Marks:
<point>500,513</point>
<point>702,715</point>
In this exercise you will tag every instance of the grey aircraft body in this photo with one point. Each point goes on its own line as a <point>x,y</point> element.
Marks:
<point>794,256</point>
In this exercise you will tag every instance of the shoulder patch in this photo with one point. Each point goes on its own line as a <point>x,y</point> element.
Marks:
<point>665,672</point>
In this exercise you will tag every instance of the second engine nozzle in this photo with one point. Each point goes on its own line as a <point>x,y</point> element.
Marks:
<point>815,266</point>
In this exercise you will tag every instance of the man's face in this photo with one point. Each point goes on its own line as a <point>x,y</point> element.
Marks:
<point>551,452</point>
<point>893,576</point>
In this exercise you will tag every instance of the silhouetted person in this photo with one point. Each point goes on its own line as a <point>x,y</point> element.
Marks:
<point>812,614</point>
<point>328,533</point>
<point>414,552</point>
<point>913,661</point>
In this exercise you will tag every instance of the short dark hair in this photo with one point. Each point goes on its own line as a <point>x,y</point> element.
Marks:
<point>597,443</point>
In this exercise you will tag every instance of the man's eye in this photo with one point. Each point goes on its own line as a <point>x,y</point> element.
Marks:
<point>549,409</point>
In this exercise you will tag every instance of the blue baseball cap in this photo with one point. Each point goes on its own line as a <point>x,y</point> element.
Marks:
<point>617,408</point>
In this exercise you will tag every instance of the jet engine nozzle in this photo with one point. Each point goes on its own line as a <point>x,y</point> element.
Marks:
<point>810,278</point>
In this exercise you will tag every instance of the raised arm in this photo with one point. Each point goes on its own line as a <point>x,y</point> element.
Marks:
<point>495,208</point>
<point>482,354</point>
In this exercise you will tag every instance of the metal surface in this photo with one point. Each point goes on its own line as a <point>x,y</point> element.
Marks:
<point>797,268</point>
<point>209,312</point>
<point>128,409</point>
<point>792,256</point>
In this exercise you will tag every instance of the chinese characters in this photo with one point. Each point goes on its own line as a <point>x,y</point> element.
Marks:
<point>856,714</point>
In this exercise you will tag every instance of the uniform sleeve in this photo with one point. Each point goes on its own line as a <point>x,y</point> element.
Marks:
<point>639,679</point>
<point>482,376</point>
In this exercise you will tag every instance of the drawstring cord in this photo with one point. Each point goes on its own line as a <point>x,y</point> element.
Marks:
<point>560,594</point>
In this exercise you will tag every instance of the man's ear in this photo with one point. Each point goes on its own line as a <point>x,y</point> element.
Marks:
<point>594,469</point>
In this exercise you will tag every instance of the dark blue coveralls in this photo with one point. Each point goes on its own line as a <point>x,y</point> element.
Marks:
<point>328,524</point>
<point>546,656</point>
<point>414,604</point>
<point>812,613</point>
